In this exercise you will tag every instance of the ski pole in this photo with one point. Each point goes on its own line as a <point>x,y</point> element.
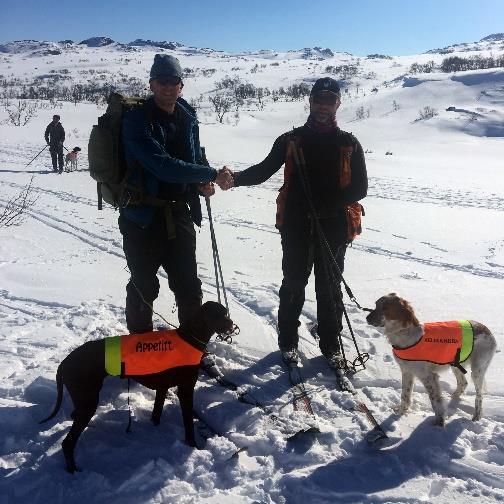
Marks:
<point>219,278</point>
<point>45,147</point>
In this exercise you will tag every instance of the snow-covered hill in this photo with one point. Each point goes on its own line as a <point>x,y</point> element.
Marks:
<point>432,232</point>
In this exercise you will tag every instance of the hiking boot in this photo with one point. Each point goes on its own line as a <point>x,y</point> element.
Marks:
<point>335,360</point>
<point>290,356</point>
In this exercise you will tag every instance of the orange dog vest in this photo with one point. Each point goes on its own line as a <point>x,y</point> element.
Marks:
<point>441,343</point>
<point>148,353</point>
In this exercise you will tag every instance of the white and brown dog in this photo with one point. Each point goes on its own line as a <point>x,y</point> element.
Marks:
<point>71,159</point>
<point>425,350</point>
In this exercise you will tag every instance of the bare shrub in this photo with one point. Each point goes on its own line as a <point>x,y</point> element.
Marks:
<point>428,67</point>
<point>222,103</point>
<point>20,113</point>
<point>360,113</point>
<point>14,211</point>
<point>427,113</point>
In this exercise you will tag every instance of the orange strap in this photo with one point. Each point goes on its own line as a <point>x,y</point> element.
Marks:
<point>345,166</point>
<point>282,193</point>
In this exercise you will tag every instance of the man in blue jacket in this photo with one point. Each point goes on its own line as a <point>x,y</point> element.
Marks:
<point>166,163</point>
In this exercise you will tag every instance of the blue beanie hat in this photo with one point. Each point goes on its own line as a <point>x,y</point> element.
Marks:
<point>165,65</point>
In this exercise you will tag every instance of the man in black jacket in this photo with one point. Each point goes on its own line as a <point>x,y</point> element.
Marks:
<point>334,176</point>
<point>55,136</point>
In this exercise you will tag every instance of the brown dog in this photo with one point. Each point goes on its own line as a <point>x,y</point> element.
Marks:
<point>85,368</point>
<point>423,351</point>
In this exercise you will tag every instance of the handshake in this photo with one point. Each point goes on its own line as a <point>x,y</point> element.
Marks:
<point>224,179</point>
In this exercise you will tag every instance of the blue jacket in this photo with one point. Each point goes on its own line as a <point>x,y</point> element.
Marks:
<point>143,141</point>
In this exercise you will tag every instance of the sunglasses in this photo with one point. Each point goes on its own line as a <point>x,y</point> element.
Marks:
<point>169,81</point>
<point>325,98</point>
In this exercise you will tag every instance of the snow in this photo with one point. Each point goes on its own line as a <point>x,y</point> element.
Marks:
<point>432,232</point>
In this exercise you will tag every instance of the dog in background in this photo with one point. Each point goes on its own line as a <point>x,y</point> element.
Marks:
<point>71,159</point>
<point>425,350</point>
<point>179,351</point>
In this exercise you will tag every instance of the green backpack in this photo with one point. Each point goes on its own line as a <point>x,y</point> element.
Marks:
<point>107,164</point>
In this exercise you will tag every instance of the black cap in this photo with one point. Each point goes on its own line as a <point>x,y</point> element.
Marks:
<point>325,84</point>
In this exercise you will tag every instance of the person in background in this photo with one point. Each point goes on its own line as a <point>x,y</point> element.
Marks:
<point>55,137</point>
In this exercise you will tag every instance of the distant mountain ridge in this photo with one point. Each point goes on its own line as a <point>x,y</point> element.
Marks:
<point>42,47</point>
<point>469,46</point>
<point>493,38</point>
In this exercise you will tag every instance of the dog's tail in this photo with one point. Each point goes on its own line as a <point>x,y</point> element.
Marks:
<point>59,399</point>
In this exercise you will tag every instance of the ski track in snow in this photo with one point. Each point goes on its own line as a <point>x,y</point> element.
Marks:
<point>112,246</point>
<point>400,190</point>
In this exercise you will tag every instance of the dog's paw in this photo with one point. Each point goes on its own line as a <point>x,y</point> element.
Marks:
<point>70,465</point>
<point>72,469</point>
<point>400,409</point>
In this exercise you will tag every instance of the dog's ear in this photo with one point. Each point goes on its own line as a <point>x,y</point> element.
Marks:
<point>394,307</point>
<point>408,313</point>
<point>216,317</point>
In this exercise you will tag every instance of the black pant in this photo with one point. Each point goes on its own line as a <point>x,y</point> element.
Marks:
<point>56,157</point>
<point>302,249</point>
<point>147,249</point>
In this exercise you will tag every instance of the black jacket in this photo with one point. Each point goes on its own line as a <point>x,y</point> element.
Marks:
<point>54,134</point>
<point>322,153</point>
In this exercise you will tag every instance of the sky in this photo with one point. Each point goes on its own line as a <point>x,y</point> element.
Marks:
<point>361,27</point>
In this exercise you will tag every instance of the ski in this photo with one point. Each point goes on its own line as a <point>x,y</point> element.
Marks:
<point>301,398</point>
<point>206,431</point>
<point>376,433</point>
<point>211,369</point>
<point>345,385</point>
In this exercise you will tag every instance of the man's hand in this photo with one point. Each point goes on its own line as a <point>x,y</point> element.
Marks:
<point>207,189</point>
<point>225,179</point>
